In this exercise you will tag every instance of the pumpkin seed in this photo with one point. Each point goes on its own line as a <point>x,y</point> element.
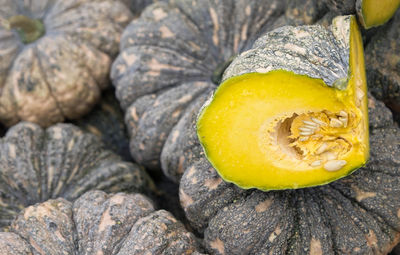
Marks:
<point>316,163</point>
<point>335,123</point>
<point>334,165</point>
<point>322,148</point>
<point>318,121</point>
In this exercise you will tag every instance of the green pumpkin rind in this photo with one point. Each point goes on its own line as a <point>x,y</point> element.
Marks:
<point>168,57</point>
<point>106,121</point>
<point>382,62</point>
<point>61,74</point>
<point>98,223</point>
<point>357,214</point>
<point>61,161</point>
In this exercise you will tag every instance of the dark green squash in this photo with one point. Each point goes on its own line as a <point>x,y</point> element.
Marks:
<point>173,56</point>
<point>55,57</point>
<point>61,161</point>
<point>97,223</point>
<point>358,214</point>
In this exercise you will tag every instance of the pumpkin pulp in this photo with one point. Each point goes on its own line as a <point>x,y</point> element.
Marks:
<point>281,130</point>
<point>375,13</point>
<point>28,29</point>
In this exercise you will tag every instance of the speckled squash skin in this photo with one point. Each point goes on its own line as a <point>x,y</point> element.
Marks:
<point>106,121</point>
<point>358,214</point>
<point>97,223</point>
<point>137,6</point>
<point>344,7</point>
<point>60,75</point>
<point>61,161</point>
<point>168,61</point>
<point>382,57</point>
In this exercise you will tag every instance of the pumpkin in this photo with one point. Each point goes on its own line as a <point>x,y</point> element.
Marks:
<point>106,121</point>
<point>358,214</point>
<point>173,56</point>
<point>97,223</point>
<point>55,57</point>
<point>61,161</point>
<point>382,56</point>
<point>370,13</point>
<point>292,110</point>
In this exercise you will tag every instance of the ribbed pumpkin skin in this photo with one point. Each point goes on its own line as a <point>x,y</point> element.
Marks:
<point>355,215</point>
<point>60,75</point>
<point>382,56</point>
<point>97,223</point>
<point>106,121</point>
<point>168,56</point>
<point>61,161</point>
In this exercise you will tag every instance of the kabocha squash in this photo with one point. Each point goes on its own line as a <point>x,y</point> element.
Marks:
<point>382,57</point>
<point>292,110</point>
<point>358,214</point>
<point>55,57</point>
<point>371,13</point>
<point>173,56</point>
<point>97,223</point>
<point>61,161</point>
<point>106,121</point>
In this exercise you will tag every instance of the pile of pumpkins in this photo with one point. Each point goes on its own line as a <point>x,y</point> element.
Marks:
<point>102,145</point>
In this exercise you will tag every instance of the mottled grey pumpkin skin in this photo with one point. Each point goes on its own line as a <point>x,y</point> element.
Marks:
<point>344,7</point>
<point>313,51</point>
<point>61,161</point>
<point>60,75</point>
<point>97,223</point>
<point>358,214</point>
<point>168,56</point>
<point>382,57</point>
<point>106,121</point>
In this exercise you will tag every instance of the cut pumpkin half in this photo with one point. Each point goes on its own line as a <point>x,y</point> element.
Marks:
<point>292,111</point>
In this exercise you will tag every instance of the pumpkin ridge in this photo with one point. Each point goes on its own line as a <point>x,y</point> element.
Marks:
<point>42,73</point>
<point>379,218</point>
<point>354,227</point>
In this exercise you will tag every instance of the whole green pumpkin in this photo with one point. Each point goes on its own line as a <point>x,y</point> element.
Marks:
<point>38,164</point>
<point>97,223</point>
<point>55,57</point>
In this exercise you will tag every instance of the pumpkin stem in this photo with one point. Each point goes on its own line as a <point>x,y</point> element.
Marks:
<point>219,71</point>
<point>28,29</point>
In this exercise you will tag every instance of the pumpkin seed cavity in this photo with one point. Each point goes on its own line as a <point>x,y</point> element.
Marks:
<point>316,138</point>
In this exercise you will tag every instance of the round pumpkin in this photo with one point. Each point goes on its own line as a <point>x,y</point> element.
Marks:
<point>61,161</point>
<point>97,223</point>
<point>174,55</point>
<point>55,57</point>
<point>382,56</point>
<point>106,121</point>
<point>358,214</point>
